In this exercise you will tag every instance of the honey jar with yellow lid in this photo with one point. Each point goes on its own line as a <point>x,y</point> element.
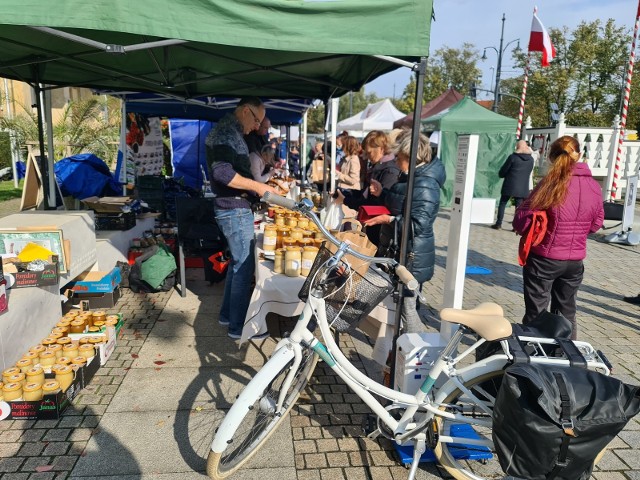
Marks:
<point>56,335</point>
<point>112,319</point>
<point>269,238</point>
<point>32,392</point>
<point>48,341</point>
<point>8,372</point>
<point>281,233</point>
<point>279,216</point>
<point>278,260</point>
<point>12,392</point>
<point>77,326</point>
<point>83,340</point>
<point>35,375</point>
<point>99,315</point>
<point>64,321</point>
<point>288,242</point>
<point>292,261</point>
<point>70,350</point>
<point>308,257</point>
<point>47,359</point>
<point>24,364</point>
<point>72,313</point>
<point>97,340</point>
<point>63,326</point>
<point>63,331</point>
<point>33,356</point>
<point>94,328</point>
<point>64,341</point>
<point>87,350</point>
<point>18,378</point>
<point>64,376</point>
<point>50,387</point>
<point>291,219</point>
<point>63,360</point>
<point>56,348</point>
<point>78,362</point>
<point>37,348</point>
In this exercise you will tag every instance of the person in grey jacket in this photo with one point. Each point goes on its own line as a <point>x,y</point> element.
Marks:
<point>516,172</point>
<point>429,178</point>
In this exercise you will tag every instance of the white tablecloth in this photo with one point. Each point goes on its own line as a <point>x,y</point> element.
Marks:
<point>278,293</point>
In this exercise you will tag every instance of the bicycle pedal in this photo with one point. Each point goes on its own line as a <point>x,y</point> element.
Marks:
<point>369,424</point>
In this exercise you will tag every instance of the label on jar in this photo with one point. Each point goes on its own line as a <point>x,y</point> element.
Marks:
<point>307,264</point>
<point>295,265</point>
<point>269,240</point>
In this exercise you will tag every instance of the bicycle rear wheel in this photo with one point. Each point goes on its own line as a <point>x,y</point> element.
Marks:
<point>468,462</point>
<point>259,420</point>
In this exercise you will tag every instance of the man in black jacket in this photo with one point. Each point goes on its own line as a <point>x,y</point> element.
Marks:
<point>516,172</point>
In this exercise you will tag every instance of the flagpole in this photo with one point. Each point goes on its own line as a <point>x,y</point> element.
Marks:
<point>625,108</point>
<point>523,96</point>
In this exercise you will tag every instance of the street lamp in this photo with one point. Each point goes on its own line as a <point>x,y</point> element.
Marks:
<point>500,51</point>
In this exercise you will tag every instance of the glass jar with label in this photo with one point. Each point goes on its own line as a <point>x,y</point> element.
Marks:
<point>278,260</point>
<point>50,387</point>
<point>279,218</point>
<point>98,315</point>
<point>8,373</point>
<point>18,378</point>
<point>33,356</point>
<point>63,360</point>
<point>64,341</point>
<point>63,326</point>
<point>288,242</point>
<point>87,350</point>
<point>24,364</point>
<point>35,375</point>
<point>297,234</point>
<point>303,222</point>
<point>292,261</point>
<point>12,392</point>
<point>78,362</point>
<point>308,257</point>
<point>56,349</point>
<point>270,238</point>
<point>37,349</point>
<point>77,326</point>
<point>281,232</point>
<point>70,350</point>
<point>48,341</point>
<point>32,392</point>
<point>56,335</point>
<point>291,220</point>
<point>47,359</point>
<point>61,330</point>
<point>64,376</point>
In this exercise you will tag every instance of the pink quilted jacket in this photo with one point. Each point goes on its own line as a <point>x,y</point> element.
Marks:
<point>570,223</point>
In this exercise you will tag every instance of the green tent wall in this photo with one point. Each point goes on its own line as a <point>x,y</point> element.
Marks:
<point>496,142</point>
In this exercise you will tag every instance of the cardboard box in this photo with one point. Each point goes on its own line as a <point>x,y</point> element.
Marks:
<point>97,282</point>
<point>105,349</point>
<point>107,204</point>
<point>49,276</point>
<point>52,406</point>
<point>97,300</point>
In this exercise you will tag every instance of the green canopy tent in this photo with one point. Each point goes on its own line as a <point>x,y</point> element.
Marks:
<point>496,141</point>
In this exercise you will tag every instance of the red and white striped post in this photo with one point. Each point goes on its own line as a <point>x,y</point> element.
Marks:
<point>523,97</point>
<point>625,108</point>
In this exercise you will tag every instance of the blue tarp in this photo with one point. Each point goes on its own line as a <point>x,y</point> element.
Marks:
<point>188,154</point>
<point>85,175</point>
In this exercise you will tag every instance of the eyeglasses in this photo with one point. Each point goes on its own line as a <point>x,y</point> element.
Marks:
<point>255,117</point>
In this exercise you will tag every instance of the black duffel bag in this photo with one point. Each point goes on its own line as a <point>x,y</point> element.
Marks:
<point>550,423</point>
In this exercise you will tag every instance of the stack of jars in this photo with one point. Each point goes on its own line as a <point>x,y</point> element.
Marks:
<point>57,354</point>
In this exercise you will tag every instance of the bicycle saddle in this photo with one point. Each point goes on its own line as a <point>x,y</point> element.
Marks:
<point>487,320</point>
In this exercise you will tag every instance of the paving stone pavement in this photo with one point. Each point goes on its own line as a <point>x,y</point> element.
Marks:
<point>142,417</point>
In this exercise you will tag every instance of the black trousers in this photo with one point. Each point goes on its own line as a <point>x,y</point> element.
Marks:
<point>502,205</point>
<point>555,281</point>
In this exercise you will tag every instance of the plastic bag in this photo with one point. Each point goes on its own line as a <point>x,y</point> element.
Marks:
<point>334,215</point>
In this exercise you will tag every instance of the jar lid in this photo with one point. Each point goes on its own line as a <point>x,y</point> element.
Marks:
<point>86,347</point>
<point>48,341</point>
<point>61,369</point>
<point>51,385</point>
<point>311,249</point>
<point>70,346</point>
<point>72,313</point>
<point>99,313</point>
<point>32,387</point>
<point>11,387</point>
<point>37,348</point>
<point>18,377</point>
<point>55,347</point>
<point>64,322</point>
<point>294,249</point>
<point>61,330</point>
<point>10,371</point>
<point>64,340</point>
<point>35,371</point>
<point>79,360</point>
<point>47,354</point>
<point>96,340</point>
<point>113,318</point>
<point>24,362</point>
<point>33,355</point>
<point>64,360</point>
<point>83,341</point>
<point>56,335</point>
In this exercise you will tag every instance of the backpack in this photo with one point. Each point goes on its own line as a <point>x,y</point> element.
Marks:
<point>550,423</point>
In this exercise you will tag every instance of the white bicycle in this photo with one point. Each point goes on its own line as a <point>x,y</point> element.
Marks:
<point>454,420</point>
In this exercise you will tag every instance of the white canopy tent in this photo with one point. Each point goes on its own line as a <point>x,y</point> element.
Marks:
<point>377,116</point>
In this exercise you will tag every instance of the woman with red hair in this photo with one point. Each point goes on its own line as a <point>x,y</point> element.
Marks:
<point>572,201</point>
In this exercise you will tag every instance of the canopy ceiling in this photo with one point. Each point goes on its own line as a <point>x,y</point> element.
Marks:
<point>199,48</point>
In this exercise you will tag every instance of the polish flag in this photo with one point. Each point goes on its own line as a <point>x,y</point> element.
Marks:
<point>539,41</point>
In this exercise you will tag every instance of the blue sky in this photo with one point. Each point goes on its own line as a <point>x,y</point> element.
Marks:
<point>479,23</point>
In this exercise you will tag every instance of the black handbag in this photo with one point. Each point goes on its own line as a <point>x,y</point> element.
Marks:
<point>550,423</point>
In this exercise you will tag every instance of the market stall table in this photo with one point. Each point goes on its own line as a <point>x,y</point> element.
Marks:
<point>278,293</point>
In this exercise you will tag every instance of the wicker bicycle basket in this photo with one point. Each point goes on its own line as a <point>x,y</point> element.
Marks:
<point>358,295</point>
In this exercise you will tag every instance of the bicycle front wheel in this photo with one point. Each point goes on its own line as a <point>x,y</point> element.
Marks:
<point>466,462</point>
<point>257,419</point>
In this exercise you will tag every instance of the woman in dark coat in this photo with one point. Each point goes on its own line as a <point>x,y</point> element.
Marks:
<point>429,179</point>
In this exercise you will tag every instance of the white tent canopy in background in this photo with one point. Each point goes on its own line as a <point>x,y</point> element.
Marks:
<point>377,116</point>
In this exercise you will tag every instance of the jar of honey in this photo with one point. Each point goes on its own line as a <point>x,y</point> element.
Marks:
<point>56,349</point>
<point>64,376</point>
<point>8,373</point>
<point>62,327</point>
<point>270,238</point>
<point>278,261</point>
<point>32,392</point>
<point>35,375</point>
<point>78,362</point>
<point>297,234</point>
<point>18,378</point>
<point>63,360</point>
<point>99,315</point>
<point>97,340</point>
<point>292,261</point>
<point>279,218</point>
<point>308,257</point>
<point>95,329</point>
<point>288,242</point>
<point>305,242</point>
<point>64,341</point>
<point>33,356</point>
<point>72,314</point>
<point>112,320</point>
<point>24,364</point>
<point>83,340</point>
<point>47,359</point>
<point>12,392</point>
<point>37,349</point>
<point>70,350</point>
<point>303,222</point>
<point>87,350</point>
<point>77,326</point>
<point>61,330</point>
<point>291,220</point>
<point>48,341</point>
<point>50,387</point>
<point>281,232</point>
<point>56,335</point>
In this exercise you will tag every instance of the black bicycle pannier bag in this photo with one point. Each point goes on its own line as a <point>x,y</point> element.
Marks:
<point>550,423</point>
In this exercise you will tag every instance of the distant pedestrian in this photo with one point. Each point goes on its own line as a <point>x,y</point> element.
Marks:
<point>572,201</point>
<point>516,172</point>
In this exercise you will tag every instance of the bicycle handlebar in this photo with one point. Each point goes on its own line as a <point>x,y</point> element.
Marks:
<point>403,274</point>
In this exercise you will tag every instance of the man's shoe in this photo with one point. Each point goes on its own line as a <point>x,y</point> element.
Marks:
<point>235,336</point>
<point>496,226</point>
<point>223,323</point>
<point>633,300</point>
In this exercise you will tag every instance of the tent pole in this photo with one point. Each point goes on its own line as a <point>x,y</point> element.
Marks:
<point>324,151</point>
<point>420,70</point>
<point>334,123</point>
<point>303,149</point>
<point>44,171</point>
<point>51,157</point>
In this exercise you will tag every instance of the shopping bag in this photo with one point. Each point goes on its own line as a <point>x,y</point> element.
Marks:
<point>359,241</point>
<point>366,212</point>
<point>334,215</point>
<point>317,170</point>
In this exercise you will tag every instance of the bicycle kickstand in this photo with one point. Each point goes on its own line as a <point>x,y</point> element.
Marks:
<point>419,448</point>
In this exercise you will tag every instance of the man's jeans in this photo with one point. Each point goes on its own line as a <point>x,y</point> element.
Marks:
<point>237,226</point>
